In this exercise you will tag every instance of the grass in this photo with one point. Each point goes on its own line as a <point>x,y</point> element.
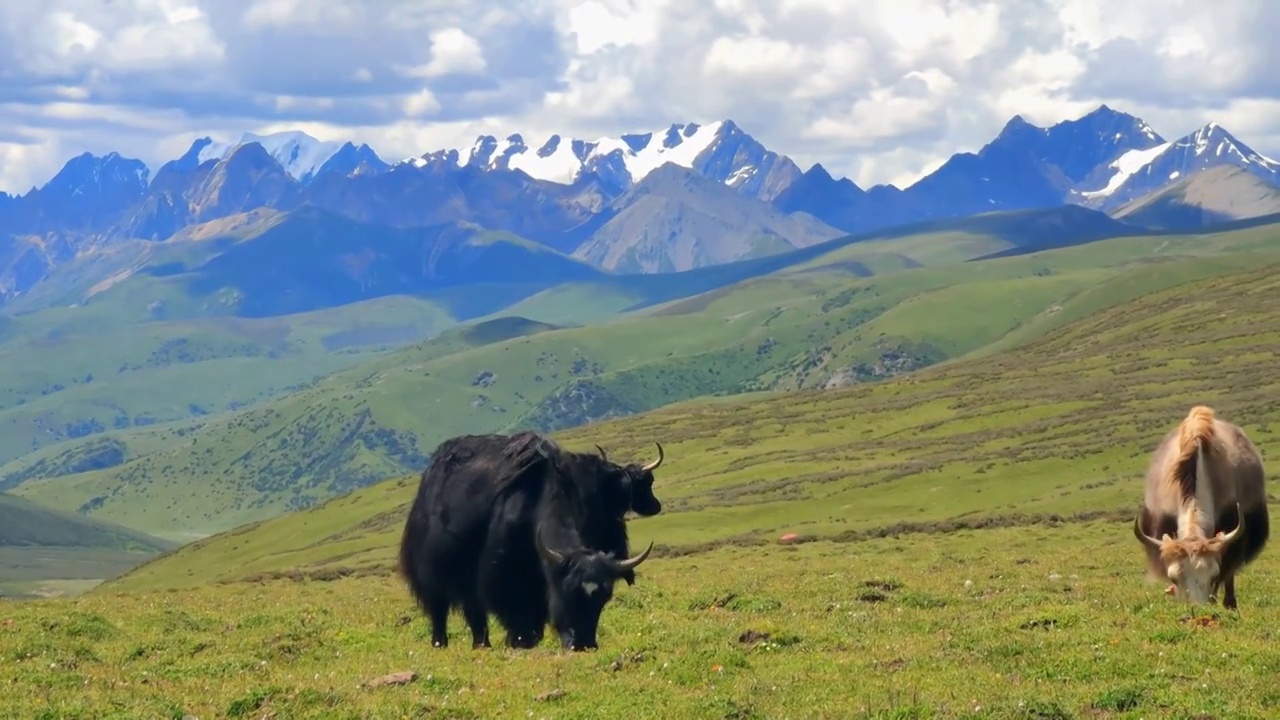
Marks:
<point>1062,425</point>
<point>795,330</point>
<point>1012,622</point>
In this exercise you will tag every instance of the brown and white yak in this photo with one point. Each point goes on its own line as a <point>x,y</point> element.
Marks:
<point>1206,476</point>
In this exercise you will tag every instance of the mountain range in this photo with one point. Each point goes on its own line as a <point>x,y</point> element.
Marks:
<point>691,196</point>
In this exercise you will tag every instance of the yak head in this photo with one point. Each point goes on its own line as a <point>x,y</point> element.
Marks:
<point>636,483</point>
<point>1192,563</point>
<point>580,585</point>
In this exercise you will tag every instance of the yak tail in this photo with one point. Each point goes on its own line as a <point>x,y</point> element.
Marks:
<point>1195,438</point>
<point>406,558</point>
<point>405,566</point>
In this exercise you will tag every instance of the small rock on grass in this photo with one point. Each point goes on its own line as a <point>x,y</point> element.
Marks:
<point>399,678</point>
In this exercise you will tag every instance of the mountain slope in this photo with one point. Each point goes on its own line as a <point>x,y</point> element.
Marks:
<point>676,220</point>
<point>26,524</point>
<point>1148,171</point>
<point>1214,195</point>
<point>742,471</point>
<point>310,258</point>
<point>45,551</point>
<point>816,327</point>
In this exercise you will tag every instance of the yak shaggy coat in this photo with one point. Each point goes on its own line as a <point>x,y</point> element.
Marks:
<point>1204,516</point>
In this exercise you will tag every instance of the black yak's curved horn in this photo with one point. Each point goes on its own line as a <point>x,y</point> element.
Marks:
<point>654,465</point>
<point>547,553</point>
<point>603,454</point>
<point>621,566</point>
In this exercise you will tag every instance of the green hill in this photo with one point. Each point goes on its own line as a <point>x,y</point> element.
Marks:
<point>144,332</point>
<point>1060,427</point>
<point>44,550</point>
<point>806,327</point>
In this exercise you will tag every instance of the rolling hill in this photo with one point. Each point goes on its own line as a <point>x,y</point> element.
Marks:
<point>1057,429</point>
<point>171,331</point>
<point>810,326</point>
<point>45,551</point>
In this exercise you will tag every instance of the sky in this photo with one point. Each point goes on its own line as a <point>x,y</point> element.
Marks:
<point>876,90</point>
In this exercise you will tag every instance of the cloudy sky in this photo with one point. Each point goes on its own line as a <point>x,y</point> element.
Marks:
<point>879,90</point>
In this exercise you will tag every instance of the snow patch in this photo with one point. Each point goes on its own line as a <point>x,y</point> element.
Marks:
<point>1125,166</point>
<point>299,153</point>
<point>741,175</point>
<point>213,150</point>
<point>561,160</point>
<point>553,161</point>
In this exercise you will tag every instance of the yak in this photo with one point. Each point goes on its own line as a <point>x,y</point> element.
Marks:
<point>469,539</point>
<point>1204,476</point>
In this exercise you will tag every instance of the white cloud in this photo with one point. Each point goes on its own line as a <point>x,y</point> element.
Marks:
<point>453,51</point>
<point>879,90</point>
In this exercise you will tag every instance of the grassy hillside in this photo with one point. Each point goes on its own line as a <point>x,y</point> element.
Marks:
<point>71,372</point>
<point>965,553</point>
<point>44,550</point>
<point>144,333</point>
<point>1061,426</point>
<point>1002,622</point>
<point>798,329</point>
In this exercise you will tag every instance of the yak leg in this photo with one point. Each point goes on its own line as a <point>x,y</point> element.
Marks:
<point>524,638</point>
<point>438,609</point>
<point>1229,595</point>
<point>478,620</point>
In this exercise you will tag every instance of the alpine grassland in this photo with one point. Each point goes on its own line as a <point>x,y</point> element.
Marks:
<point>819,324</point>
<point>957,545</point>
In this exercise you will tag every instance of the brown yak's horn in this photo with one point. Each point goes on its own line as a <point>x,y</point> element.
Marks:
<point>1234,535</point>
<point>1145,538</point>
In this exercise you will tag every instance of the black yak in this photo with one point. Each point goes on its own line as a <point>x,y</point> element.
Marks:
<point>471,540</point>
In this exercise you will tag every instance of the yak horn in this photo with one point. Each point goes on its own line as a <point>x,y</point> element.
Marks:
<point>654,465</point>
<point>547,553</point>
<point>1145,538</point>
<point>631,563</point>
<point>603,455</point>
<point>1232,536</point>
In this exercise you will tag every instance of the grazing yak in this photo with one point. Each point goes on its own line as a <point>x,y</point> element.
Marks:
<point>1205,477</point>
<point>471,539</point>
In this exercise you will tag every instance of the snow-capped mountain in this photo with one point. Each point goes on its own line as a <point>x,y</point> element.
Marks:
<point>1141,172</point>
<point>719,150</point>
<point>723,194</point>
<point>301,155</point>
